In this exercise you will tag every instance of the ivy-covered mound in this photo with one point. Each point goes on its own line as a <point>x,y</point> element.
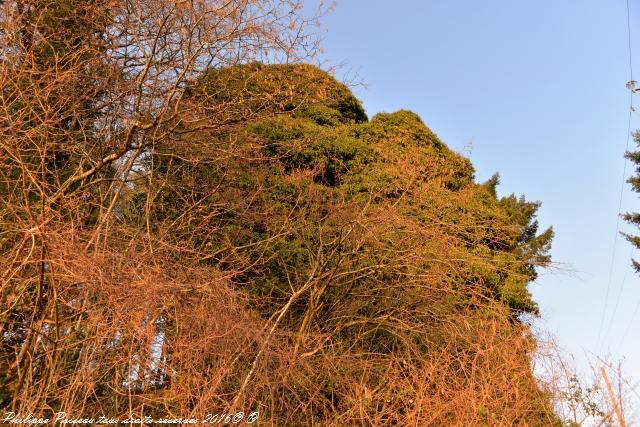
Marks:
<point>393,285</point>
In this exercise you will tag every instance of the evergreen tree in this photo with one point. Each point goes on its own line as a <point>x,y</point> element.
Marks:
<point>178,227</point>
<point>634,217</point>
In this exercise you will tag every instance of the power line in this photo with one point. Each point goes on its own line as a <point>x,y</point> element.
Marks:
<point>631,86</point>
<point>629,325</point>
<point>617,304</point>
<point>629,43</point>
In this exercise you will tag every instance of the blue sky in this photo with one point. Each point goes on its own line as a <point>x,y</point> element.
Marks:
<point>537,90</point>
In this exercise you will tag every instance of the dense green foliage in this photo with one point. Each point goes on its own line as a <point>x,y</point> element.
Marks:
<point>269,228</point>
<point>387,222</point>
<point>318,166</point>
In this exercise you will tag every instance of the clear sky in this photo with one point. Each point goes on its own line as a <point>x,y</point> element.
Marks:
<point>536,91</point>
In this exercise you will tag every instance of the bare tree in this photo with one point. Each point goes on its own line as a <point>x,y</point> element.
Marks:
<point>89,89</point>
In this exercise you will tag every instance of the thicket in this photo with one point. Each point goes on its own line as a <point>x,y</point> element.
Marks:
<point>188,231</point>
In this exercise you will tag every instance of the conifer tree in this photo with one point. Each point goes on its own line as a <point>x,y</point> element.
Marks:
<point>634,217</point>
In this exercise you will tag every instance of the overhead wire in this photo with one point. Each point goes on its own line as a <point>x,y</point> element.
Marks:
<point>629,325</point>
<point>631,86</point>
<point>618,299</point>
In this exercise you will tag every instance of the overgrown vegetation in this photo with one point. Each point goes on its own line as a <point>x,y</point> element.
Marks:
<point>190,231</point>
<point>386,260</point>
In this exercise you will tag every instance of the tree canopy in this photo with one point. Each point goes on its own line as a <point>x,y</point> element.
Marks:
<point>187,227</point>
